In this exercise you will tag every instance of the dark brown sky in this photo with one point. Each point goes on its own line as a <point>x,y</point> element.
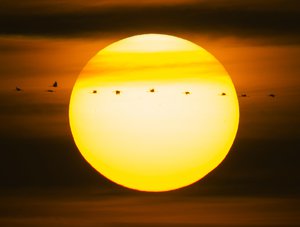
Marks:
<point>258,42</point>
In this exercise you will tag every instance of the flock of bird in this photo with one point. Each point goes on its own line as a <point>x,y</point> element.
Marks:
<point>54,85</point>
<point>152,90</point>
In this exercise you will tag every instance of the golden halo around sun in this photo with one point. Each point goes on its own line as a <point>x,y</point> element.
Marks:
<point>154,112</point>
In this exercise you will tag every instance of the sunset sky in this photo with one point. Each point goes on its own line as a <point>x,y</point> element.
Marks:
<point>258,42</point>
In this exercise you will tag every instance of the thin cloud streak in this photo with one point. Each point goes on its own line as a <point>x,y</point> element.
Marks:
<point>148,211</point>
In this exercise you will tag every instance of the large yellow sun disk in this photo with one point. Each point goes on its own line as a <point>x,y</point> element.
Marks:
<point>161,140</point>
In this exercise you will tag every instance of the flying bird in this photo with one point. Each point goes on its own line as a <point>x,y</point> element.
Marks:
<point>55,84</point>
<point>223,94</point>
<point>117,92</point>
<point>152,90</point>
<point>272,95</point>
<point>244,95</point>
<point>187,93</point>
<point>94,91</point>
<point>18,89</point>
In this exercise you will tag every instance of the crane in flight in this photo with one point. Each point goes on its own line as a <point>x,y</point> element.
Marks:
<point>55,84</point>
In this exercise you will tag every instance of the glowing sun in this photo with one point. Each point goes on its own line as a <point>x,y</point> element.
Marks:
<point>154,112</point>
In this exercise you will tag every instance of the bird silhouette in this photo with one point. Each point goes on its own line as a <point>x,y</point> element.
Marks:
<point>272,95</point>
<point>152,90</point>
<point>55,84</point>
<point>244,95</point>
<point>223,94</point>
<point>94,92</point>
<point>187,93</point>
<point>18,89</point>
<point>117,92</point>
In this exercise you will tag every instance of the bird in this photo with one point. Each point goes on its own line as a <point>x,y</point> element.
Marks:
<point>18,89</point>
<point>50,90</point>
<point>117,92</point>
<point>94,91</point>
<point>223,94</point>
<point>55,84</point>
<point>243,95</point>
<point>187,93</point>
<point>272,95</point>
<point>152,90</point>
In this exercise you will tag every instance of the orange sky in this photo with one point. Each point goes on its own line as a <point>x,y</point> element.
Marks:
<point>42,173</point>
<point>46,41</point>
<point>256,68</point>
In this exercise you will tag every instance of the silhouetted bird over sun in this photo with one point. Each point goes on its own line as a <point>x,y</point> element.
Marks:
<point>18,89</point>
<point>117,92</point>
<point>244,95</point>
<point>223,94</point>
<point>272,95</point>
<point>187,93</point>
<point>94,91</point>
<point>152,90</point>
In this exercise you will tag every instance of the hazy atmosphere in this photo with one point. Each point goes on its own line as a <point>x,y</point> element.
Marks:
<point>45,181</point>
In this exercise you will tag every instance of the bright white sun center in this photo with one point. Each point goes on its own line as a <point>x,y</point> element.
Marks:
<point>154,112</point>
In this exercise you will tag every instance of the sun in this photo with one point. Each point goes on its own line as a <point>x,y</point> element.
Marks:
<point>154,112</point>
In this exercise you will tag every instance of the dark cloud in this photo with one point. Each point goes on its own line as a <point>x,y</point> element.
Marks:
<point>23,108</point>
<point>44,162</point>
<point>211,19</point>
<point>8,48</point>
